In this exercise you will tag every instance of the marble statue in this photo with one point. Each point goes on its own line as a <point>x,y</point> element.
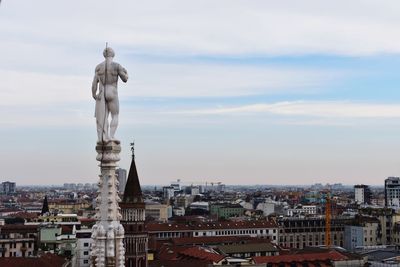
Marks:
<point>108,247</point>
<point>105,92</point>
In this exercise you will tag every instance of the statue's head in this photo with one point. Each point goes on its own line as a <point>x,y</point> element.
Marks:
<point>108,52</point>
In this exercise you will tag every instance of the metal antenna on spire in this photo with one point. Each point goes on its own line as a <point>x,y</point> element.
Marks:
<point>133,149</point>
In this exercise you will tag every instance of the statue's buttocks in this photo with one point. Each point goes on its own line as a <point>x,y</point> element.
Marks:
<point>111,93</point>
<point>105,92</point>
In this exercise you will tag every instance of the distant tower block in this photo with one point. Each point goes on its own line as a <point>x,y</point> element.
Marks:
<point>108,248</point>
<point>133,218</point>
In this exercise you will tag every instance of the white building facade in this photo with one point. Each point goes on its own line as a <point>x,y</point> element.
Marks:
<point>362,194</point>
<point>82,249</point>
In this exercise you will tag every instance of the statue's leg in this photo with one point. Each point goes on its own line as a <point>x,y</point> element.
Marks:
<point>99,130</point>
<point>102,126</point>
<point>102,120</point>
<point>114,110</point>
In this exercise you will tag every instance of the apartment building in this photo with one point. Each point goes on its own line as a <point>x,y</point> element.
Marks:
<point>18,240</point>
<point>309,231</point>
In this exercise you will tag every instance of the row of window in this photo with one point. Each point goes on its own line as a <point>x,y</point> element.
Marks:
<point>14,245</point>
<point>218,233</point>
<point>309,230</point>
<point>310,238</point>
<point>310,244</point>
<point>17,235</point>
<point>14,254</point>
<point>233,232</point>
<point>252,254</point>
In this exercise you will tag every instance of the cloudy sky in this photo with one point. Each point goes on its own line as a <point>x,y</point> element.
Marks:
<point>242,92</point>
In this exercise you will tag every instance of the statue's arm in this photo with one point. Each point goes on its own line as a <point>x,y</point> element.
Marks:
<point>94,85</point>
<point>122,73</point>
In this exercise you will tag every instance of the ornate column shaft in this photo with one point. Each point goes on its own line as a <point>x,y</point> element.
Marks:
<point>107,233</point>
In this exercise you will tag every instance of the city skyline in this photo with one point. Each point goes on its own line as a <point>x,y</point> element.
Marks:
<point>239,92</point>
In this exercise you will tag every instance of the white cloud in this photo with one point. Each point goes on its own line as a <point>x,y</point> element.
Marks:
<point>210,27</point>
<point>324,109</point>
<point>43,99</point>
<point>185,80</point>
<point>160,80</point>
<point>36,89</point>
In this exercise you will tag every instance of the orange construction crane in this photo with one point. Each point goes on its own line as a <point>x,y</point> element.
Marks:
<point>328,213</point>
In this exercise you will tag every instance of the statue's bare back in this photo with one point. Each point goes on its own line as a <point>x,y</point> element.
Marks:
<point>105,81</point>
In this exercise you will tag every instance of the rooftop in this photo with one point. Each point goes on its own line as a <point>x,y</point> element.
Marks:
<point>46,260</point>
<point>217,240</point>
<point>308,257</point>
<point>202,254</point>
<point>247,248</point>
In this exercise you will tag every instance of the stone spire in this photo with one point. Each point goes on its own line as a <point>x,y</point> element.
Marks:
<point>133,220</point>
<point>45,207</point>
<point>108,248</point>
<point>133,192</point>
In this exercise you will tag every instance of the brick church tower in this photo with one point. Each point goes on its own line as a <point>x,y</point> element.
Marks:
<point>133,219</point>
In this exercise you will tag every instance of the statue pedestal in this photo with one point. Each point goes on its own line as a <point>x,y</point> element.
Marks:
<point>108,154</point>
<point>108,233</point>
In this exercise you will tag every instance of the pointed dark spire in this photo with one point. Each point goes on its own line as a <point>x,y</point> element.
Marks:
<point>45,208</point>
<point>133,192</point>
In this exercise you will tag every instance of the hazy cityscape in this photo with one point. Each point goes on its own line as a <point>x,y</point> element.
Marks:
<point>227,224</point>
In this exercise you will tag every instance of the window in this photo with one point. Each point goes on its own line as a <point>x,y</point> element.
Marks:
<point>86,253</point>
<point>85,244</point>
<point>85,261</point>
